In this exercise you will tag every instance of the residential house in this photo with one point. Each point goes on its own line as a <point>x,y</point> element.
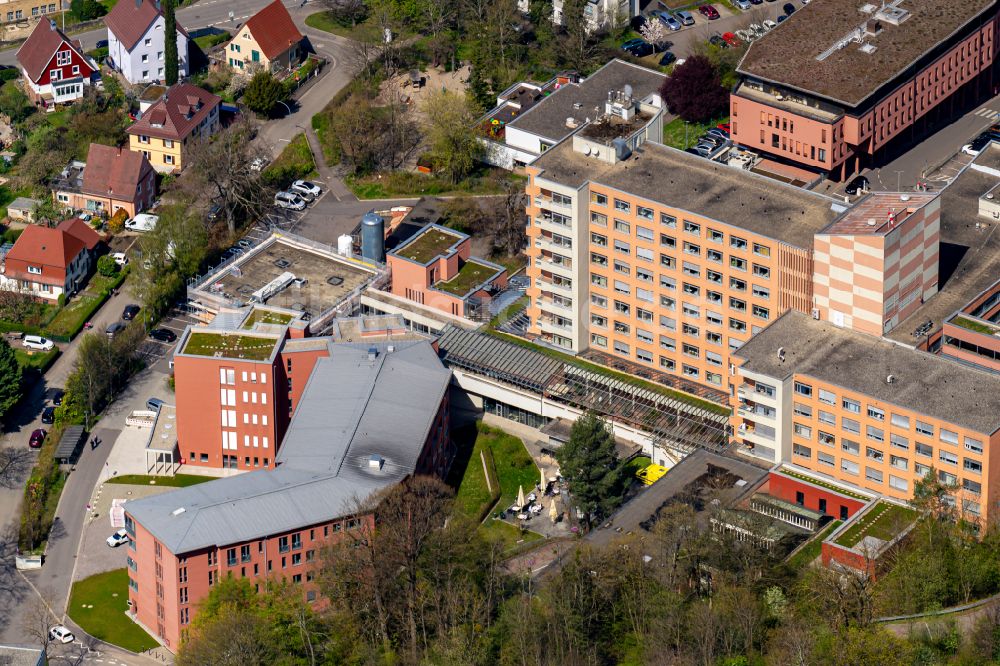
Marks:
<point>167,129</point>
<point>110,180</point>
<point>136,42</point>
<point>269,38</point>
<point>55,68</point>
<point>47,262</point>
<point>22,209</point>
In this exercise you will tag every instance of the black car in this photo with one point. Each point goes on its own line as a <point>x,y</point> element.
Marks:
<point>641,50</point>
<point>788,8</point>
<point>717,40</point>
<point>57,397</point>
<point>857,184</point>
<point>49,415</point>
<point>667,58</point>
<point>102,44</point>
<point>638,22</point>
<point>163,334</point>
<point>130,311</point>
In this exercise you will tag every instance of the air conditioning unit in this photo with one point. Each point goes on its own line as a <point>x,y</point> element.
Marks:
<point>815,313</point>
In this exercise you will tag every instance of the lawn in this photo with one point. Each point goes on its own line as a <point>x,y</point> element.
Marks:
<point>294,162</point>
<point>7,195</point>
<point>37,360</point>
<point>823,484</point>
<point>231,346</point>
<point>680,134</point>
<point>266,317</point>
<point>206,42</point>
<point>471,275</point>
<point>363,32</point>
<point>635,464</point>
<point>884,521</point>
<point>510,535</point>
<point>428,245</point>
<point>98,605</point>
<point>511,462</point>
<point>614,374</point>
<point>71,318</point>
<point>812,550</point>
<point>176,481</point>
<point>414,184</point>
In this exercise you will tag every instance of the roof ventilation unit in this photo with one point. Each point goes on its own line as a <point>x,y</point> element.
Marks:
<point>893,15</point>
<point>890,379</point>
<point>372,353</point>
<point>178,511</point>
<point>375,461</point>
<point>868,48</point>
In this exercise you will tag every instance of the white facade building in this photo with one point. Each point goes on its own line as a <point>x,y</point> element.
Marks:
<point>136,43</point>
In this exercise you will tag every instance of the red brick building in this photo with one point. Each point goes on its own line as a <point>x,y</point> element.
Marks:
<point>339,447</point>
<point>843,81</point>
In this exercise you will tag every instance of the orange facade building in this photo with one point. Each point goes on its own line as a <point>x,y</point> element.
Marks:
<point>371,415</point>
<point>842,81</point>
<point>868,413</point>
<point>672,262</point>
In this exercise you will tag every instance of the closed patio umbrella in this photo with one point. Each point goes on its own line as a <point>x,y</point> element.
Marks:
<point>520,497</point>
<point>553,512</point>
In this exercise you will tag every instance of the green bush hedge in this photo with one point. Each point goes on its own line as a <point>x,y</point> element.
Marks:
<point>41,496</point>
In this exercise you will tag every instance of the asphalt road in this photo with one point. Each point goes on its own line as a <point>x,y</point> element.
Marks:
<point>204,14</point>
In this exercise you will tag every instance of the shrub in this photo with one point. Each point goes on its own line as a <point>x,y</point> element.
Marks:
<point>61,300</point>
<point>11,235</point>
<point>10,74</point>
<point>106,266</point>
<point>117,222</point>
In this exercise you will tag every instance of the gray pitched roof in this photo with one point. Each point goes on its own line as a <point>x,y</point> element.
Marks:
<point>926,383</point>
<point>351,408</point>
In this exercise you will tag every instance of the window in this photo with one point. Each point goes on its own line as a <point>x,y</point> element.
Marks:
<point>761,250</point>
<point>691,350</point>
<point>598,320</point>
<point>803,451</point>
<point>850,467</point>
<point>737,284</point>
<point>714,255</point>
<point>691,248</point>
<point>825,459</point>
<point>970,465</point>
<point>924,450</point>
<point>803,389</point>
<point>874,454</point>
<point>946,457</point>
<point>737,243</point>
<point>692,289</point>
<point>715,236</point>
<point>875,434</point>
<point>599,219</point>
<point>876,413</point>
<point>712,276</point>
<point>283,544</point>
<point>826,438</point>
<point>972,486</point>
<point>621,348</point>
<point>803,410</point>
<point>667,343</point>
<point>803,431</point>
<point>599,301</point>
<point>761,313</point>
<point>827,417</point>
<point>826,397</point>
<point>598,259</point>
<point>899,442</point>
<point>850,425</point>
<point>623,206</point>
<point>872,474</point>
<point>692,228</point>
<point>761,292</point>
<point>64,58</point>
<point>668,220</point>
<point>897,483</point>
<point>852,406</point>
<point>666,363</point>
<point>623,247</point>
<point>644,234</point>
<point>667,241</point>
<point>622,267</point>
<point>644,213</point>
<point>598,280</point>
<point>900,421</point>
<point>622,287</point>
<point>643,274</point>
<point>949,437</point>
<point>850,447</point>
<point>738,264</point>
<point>973,445</point>
<point>737,325</point>
<point>691,270</point>
<point>599,240</point>
<point>644,336</point>
<point>623,227</point>
<point>925,429</point>
<point>599,199</point>
<point>599,340</point>
<point>947,478</point>
<point>761,271</point>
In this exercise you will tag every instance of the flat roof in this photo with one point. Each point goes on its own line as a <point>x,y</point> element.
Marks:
<point>163,436</point>
<point>323,465</point>
<point>690,183</point>
<point>328,278</point>
<point>869,216</point>
<point>969,256</point>
<point>429,243</point>
<point>547,118</point>
<point>474,273</point>
<point>225,344</point>
<point>788,55</point>
<point>925,383</point>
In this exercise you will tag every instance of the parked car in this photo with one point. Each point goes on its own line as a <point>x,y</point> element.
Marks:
<point>788,8</point>
<point>724,127</point>
<point>154,404</point>
<point>244,244</point>
<point>746,35</point>
<point>666,19</point>
<point>101,44</point>
<point>57,396</point>
<point>117,539</point>
<point>757,29</point>
<point>130,311</point>
<point>714,140</point>
<point>289,200</point>
<point>142,222</point>
<point>61,634</point>
<point>667,58</point>
<point>37,438</point>
<point>730,39</point>
<point>163,334</point>
<point>258,164</point>
<point>305,188</point>
<point>709,12</point>
<point>685,17</point>
<point>702,150</point>
<point>716,40</point>
<point>632,43</point>
<point>120,258</point>
<point>641,50</point>
<point>49,415</point>
<point>115,328</point>
<point>638,22</point>
<point>706,148</point>
<point>742,4</point>
<point>781,17</point>
<point>858,184</point>
<point>37,343</point>
<point>973,148</point>
<point>756,2</point>
<point>716,131</point>
<point>769,24</point>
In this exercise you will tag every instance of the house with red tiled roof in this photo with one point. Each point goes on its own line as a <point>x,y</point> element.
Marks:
<point>166,130</point>
<point>55,68</point>
<point>47,262</point>
<point>269,39</point>
<point>111,179</point>
<point>136,41</point>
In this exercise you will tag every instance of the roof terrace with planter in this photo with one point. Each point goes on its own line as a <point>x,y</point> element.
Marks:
<point>861,541</point>
<point>229,345</point>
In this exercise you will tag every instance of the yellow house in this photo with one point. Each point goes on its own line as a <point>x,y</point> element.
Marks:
<point>166,130</point>
<point>269,39</point>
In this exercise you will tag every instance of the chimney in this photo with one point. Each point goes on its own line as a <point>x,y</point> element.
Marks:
<point>52,25</point>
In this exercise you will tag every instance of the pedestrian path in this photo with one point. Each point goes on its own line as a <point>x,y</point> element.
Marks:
<point>333,183</point>
<point>986,112</point>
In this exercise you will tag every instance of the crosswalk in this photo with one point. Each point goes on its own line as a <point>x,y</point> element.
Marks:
<point>987,112</point>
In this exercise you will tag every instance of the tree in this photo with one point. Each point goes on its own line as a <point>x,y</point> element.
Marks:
<point>346,12</point>
<point>14,103</point>
<point>10,378</point>
<point>373,138</point>
<point>579,45</point>
<point>505,220</point>
<point>653,31</point>
<point>263,93</point>
<point>14,466</point>
<point>87,10</point>
<point>694,92</point>
<point>589,463</point>
<point>454,144</point>
<point>172,66</point>
<point>106,266</point>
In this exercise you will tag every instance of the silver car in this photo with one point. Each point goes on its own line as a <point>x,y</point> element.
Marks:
<point>687,18</point>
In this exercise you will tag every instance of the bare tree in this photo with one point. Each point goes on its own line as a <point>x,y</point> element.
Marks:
<point>507,220</point>
<point>346,11</point>
<point>37,620</point>
<point>15,463</point>
<point>223,164</point>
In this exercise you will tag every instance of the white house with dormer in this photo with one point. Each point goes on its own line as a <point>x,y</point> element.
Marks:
<point>136,41</point>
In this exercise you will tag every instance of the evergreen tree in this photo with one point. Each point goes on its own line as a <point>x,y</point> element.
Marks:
<point>170,45</point>
<point>263,93</point>
<point>10,378</point>
<point>589,463</point>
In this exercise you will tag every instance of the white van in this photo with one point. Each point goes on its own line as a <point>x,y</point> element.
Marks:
<point>142,222</point>
<point>37,343</point>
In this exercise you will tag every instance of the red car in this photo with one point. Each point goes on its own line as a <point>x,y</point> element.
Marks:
<point>730,39</point>
<point>709,12</point>
<point>724,127</point>
<point>37,438</point>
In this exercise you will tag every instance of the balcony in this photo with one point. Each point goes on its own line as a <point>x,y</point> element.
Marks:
<point>561,286</point>
<point>548,263</point>
<point>557,221</point>
<point>561,324</point>
<point>549,303</point>
<point>749,412</point>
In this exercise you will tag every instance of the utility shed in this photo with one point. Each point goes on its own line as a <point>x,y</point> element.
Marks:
<point>69,444</point>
